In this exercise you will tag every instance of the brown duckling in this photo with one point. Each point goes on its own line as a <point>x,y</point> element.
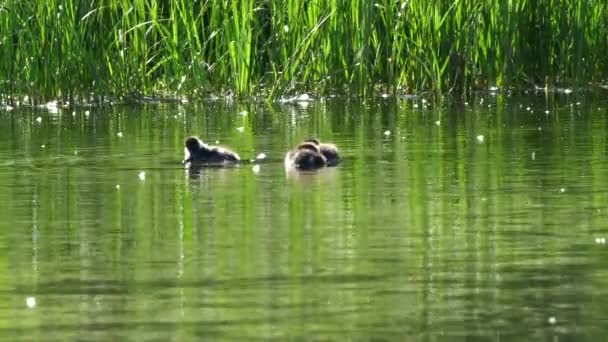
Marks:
<point>305,156</point>
<point>198,152</point>
<point>329,151</point>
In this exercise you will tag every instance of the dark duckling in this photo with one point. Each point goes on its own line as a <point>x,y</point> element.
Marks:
<point>305,156</point>
<point>197,152</point>
<point>329,151</point>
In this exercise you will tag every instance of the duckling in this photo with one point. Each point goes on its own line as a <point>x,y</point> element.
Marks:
<point>197,152</point>
<point>329,151</point>
<point>305,156</point>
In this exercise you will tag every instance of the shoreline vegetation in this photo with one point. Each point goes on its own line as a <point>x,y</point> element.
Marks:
<point>91,51</point>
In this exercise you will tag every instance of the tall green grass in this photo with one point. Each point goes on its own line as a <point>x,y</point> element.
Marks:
<point>83,50</point>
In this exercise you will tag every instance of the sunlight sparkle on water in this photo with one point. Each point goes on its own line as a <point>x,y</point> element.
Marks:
<point>52,107</point>
<point>142,175</point>
<point>30,302</point>
<point>480,138</point>
<point>304,97</point>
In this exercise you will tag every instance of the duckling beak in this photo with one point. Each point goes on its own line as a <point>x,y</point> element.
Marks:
<point>187,156</point>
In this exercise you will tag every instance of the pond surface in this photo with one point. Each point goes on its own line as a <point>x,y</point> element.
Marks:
<point>483,221</point>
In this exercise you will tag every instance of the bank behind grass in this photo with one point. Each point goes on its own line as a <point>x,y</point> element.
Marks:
<point>116,48</point>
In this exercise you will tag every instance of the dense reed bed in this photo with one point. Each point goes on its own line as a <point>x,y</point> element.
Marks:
<point>119,48</point>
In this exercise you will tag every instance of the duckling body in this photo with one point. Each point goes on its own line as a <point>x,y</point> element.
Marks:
<point>197,152</point>
<point>329,151</point>
<point>306,156</point>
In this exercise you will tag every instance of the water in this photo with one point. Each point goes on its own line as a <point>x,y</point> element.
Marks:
<point>426,231</point>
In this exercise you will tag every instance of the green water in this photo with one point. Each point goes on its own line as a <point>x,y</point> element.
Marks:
<point>423,233</point>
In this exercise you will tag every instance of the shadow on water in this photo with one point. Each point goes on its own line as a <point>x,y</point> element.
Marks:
<point>93,287</point>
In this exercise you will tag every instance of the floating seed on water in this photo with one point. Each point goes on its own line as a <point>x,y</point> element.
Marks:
<point>142,175</point>
<point>119,134</point>
<point>480,138</point>
<point>387,133</point>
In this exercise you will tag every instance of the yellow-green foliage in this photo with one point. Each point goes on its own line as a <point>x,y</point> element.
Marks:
<point>65,48</point>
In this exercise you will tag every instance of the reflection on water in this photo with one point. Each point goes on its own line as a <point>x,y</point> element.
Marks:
<point>425,231</point>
